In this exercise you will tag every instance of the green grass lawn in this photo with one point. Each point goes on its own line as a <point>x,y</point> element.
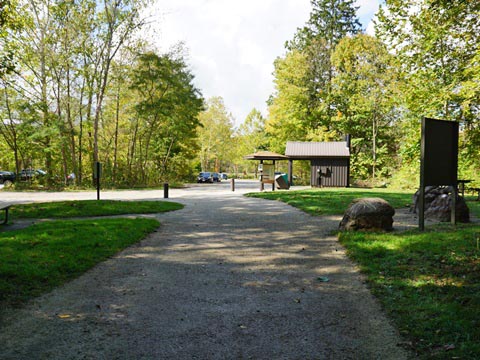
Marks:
<point>85,208</point>
<point>428,282</point>
<point>328,201</point>
<point>36,259</point>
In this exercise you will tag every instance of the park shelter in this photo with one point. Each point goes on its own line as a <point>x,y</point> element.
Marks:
<point>329,162</point>
<point>268,176</point>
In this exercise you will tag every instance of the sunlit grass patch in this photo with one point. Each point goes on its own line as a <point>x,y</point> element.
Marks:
<point>429,283</point>
<point>37,259</point>
<point>87,208</point>
<point>333,201</point>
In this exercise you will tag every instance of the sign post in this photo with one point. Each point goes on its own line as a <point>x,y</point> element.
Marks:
<point>97,173</point>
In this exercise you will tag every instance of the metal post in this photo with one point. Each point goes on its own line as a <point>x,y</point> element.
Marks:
<point>165,190</point>
<point>273,184</point>
<point>290,172</point>
<point>98,170</point>
<point>453,209</point>
<point>232,183</point>
<point>261,178</point>
<point>421,208</point>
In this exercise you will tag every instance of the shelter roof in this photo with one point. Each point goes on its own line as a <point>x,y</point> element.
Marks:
<point>308,150</point>
<point>265,155</point>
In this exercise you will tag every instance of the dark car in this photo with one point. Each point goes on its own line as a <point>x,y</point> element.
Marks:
<point>216,177</point>
<point>7,177</point>
<point>30,174</point>
<point>223,176</point>
<point>205,177</point>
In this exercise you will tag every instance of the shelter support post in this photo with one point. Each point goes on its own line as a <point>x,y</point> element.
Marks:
<point>273,183</point>
<point>290,172</point>
<point>262,187</point>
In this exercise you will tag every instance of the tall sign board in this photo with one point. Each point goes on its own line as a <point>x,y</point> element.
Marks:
<point>439,160</point>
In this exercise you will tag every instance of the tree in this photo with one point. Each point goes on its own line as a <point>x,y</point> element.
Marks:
<point>329,22</point>
<point>168,107</point>
<point>288,106</point>
<point>365,89</point>
<point>301,107</point>
<point>250,138</point>
<point>120,19</point>
<point>438,44</point>
<point>215,135</point>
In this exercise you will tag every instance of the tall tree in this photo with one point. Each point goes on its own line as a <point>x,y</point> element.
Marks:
<point>329,22</point>
<point>215,135</point>
<point>288,106</point>
<point>438,43</point>
<point>250,138</point>
<point>365,88</point>
<point>121,19</point>
<point>168,105</point>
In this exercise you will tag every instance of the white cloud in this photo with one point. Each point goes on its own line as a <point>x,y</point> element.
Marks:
<point>232,44</point>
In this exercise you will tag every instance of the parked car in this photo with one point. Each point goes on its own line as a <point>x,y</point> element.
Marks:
<point>216,177</point>
<point>7,178</point>
<point>205,177</point>
<point>30,174</point>
<point>223,176</point>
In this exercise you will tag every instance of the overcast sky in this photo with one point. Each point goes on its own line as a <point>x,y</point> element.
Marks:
<point>232,44</point>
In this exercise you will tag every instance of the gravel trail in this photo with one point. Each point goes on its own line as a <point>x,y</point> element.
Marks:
<point>227,277</point>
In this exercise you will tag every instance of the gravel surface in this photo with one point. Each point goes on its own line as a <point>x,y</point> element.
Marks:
<point>227,277</point>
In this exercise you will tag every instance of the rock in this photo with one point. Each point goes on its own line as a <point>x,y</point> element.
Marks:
<point>438,204</point>
<point>368,214</point>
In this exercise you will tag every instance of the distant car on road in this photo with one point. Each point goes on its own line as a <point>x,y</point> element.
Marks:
<point>216,177</point>
<point>7,178</point>
<point>30,174</point>
<point>205,177</point>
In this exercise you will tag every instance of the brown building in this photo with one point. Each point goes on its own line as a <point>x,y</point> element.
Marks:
<point>330,161</point>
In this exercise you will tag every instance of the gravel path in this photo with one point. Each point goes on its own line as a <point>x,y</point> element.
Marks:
<point>227,277</point>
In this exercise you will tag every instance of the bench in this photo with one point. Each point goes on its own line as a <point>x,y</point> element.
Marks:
<point>5,207</point>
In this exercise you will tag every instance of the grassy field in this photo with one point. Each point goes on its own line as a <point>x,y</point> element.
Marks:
<point>328,201</point>
<point>36,259</point>
<point>86,208</point>
<point>428,282</point>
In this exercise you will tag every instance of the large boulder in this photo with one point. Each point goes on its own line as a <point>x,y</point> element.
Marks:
<point>438,200</point>
<point>368,214</point>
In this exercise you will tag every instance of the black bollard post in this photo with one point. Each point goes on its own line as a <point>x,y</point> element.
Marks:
<point>165,190</point>
<point>232,182</point>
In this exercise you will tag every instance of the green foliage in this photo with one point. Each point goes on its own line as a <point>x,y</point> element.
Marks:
<point>288,106</point>
<point>437,44</point>
<point>215,135</point>
<point>167,110</point>
<point>365,94</point>
<point>250,137</point>
<point>303,106</point>
<point>331,20</point>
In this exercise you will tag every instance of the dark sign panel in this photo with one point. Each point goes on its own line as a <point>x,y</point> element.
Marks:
<point>439,152</point>
<point>439,158</point>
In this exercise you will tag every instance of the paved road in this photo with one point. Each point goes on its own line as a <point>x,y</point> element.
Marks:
<point>227,277</point>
